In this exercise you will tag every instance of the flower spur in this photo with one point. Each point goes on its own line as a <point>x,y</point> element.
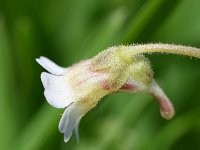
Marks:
<point>80,87</point>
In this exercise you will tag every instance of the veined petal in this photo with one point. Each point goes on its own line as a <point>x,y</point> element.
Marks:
<point>70,120</point>
<point>57,91</point>
<point>51,66</point>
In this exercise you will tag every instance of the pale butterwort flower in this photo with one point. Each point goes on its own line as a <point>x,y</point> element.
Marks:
<point>80,87</point>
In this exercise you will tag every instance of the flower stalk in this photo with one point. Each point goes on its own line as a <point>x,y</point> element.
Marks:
<point>164,48</point>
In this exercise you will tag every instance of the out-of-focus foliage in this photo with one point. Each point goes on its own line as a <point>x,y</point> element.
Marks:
<point>68,31</point>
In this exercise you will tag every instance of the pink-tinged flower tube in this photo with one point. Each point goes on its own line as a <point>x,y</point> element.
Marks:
<point>80,87</point>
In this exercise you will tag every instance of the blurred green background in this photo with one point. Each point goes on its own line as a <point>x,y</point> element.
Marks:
<point>69,31</point>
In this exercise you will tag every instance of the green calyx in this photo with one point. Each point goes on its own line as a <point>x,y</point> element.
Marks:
<point>121,65</point>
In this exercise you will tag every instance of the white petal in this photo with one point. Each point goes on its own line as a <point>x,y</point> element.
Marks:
<point>70,121</point>
<point>57,91</point>
<point>50,66</point>
<point>77,128</point>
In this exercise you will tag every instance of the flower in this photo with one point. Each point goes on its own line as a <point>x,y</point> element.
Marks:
<point>80,87</point>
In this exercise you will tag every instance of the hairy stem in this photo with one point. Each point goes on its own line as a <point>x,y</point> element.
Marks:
<point>165,48</point>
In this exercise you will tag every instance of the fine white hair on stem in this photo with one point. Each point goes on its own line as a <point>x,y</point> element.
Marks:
<point>164,48</point>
